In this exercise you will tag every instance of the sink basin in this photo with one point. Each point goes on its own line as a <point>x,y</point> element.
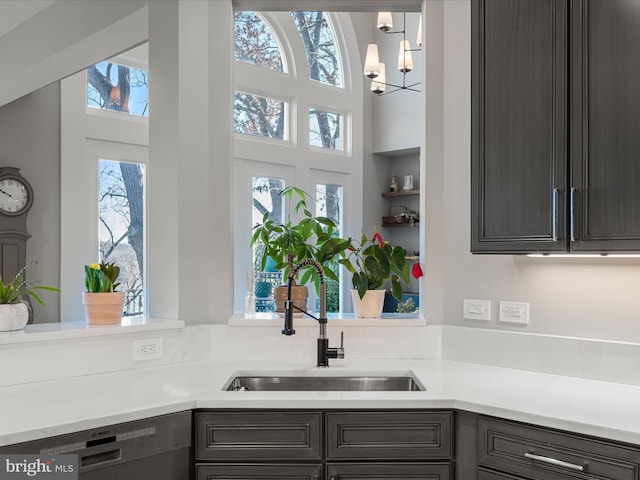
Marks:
<point>362,383</point>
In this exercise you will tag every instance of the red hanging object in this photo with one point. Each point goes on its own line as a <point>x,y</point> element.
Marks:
<point>417,271</point>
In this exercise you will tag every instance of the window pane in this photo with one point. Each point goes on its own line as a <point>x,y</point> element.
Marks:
<point>255,42</point>
<point>255,115</point>
<point>325,129</point>
<point>121,206</point>
<point>119,88</point>
<point>266,199</point>
<point>329,204</point>
<point>318,40</point>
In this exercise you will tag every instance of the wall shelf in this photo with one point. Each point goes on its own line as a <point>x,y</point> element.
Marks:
<point>400,225</point>
<point>401,193</point>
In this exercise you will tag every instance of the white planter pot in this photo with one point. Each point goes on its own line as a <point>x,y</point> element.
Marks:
<point>369,306</point>
<point>13,316</point>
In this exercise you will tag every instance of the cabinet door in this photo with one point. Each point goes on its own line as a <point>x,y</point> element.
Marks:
<point>518,125</point>
<point>489,475</point>
<point>388,471</point>
<point>258,472</point>
<point>605,134</point>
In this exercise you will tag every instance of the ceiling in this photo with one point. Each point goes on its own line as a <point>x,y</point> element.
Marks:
<point>15,12</point>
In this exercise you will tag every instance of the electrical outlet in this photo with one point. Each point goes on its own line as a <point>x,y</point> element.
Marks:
<point>514,312</point>
<point>149,349</point>
<point>476,309</point>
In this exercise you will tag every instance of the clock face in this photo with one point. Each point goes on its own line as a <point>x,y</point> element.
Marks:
<point>14,196</point>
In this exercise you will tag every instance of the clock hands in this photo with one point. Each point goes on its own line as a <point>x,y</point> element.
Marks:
<point>7,194</point>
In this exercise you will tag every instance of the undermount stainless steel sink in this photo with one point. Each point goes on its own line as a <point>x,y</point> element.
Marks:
<point>364,383</point>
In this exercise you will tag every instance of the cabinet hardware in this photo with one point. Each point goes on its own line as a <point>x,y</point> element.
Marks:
<point>572,213</point>
<point>554,461</point>
<point>554,214</point>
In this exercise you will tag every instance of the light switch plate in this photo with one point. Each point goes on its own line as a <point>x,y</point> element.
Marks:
<point>514,312</point>
<point>473,309</point>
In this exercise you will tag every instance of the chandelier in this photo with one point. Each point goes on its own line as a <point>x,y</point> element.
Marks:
<point>375,70</point>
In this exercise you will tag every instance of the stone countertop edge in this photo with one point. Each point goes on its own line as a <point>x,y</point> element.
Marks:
<point>44,409</point>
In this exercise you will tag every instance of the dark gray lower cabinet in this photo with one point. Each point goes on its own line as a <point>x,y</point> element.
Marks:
<point>513,450</point>
<point>389,471</point>
<point>259,472</point>
<point>324,445</point>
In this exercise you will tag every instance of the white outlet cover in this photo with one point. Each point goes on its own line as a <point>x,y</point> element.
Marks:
<point>473,309</point>
<point>514,312</point>
<point>148,349</point>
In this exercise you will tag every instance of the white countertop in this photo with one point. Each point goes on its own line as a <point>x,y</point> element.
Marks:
<point>44,409</point>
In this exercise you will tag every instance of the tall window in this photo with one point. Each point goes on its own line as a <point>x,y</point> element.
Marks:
<point>289,80</point>
<point>329,204</point>
<point>121,206</point>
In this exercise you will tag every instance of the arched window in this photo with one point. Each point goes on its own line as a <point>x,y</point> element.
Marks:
<point>255,42</point>
<point>292,126</point>
<point>319,43</point>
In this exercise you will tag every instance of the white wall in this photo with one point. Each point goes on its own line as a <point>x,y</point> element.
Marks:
<point>594,298</point>
<point>30,139</point>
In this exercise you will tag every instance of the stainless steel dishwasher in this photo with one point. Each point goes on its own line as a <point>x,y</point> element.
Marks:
<point>154,448</point>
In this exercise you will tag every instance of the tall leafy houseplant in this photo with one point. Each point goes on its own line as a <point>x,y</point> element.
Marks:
<point>102,303</point>
<point>292,241</point>
<point>372,261</point>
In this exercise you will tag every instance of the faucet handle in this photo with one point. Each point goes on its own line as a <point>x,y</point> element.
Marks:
<point>340,350</point>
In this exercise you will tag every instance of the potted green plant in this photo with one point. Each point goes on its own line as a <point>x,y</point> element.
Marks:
<point>14,313</point>
<point>102,303</point>
<point>372,261</point>
<point>292,241</point>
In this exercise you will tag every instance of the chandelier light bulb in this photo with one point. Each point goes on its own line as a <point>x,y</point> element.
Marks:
<point>378,84</point>
<point>419,37</point>
<point>385,21</point>
<point>405,60</point>
<point>372,62</point>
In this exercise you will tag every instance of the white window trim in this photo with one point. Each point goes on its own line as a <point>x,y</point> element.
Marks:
<point>304,165</point>
<point>85,138</point>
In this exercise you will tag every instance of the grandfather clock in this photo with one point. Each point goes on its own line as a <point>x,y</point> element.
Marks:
<point>16,198</point>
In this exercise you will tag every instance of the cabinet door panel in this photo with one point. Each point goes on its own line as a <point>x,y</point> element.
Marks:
<point>388,471</point>
<point>389,435</point>
<point>606,124</point>
<point>262,435</point>
<point>258,472</point>
<point>518,136</point>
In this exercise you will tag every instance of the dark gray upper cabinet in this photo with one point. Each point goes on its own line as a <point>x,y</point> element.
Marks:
<point>518,134</point>
<point>605,128</point>
<point>555,135</point>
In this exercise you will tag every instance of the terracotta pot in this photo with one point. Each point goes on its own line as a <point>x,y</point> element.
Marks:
<point>13,316</point>
<point>369,306</point>
<point>103,308</point>
<point>299,295</point>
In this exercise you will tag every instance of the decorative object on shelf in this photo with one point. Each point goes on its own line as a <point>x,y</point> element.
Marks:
<point>393,186</point>
<point>102,304</point>
<point>291,242</point>
<point>14,313</point>
<point>408,182</point>
<point>408,306</point>
<point>250,297</point>
<point>404,217</point>
<point>376,71</point>
<point>372,261</point>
